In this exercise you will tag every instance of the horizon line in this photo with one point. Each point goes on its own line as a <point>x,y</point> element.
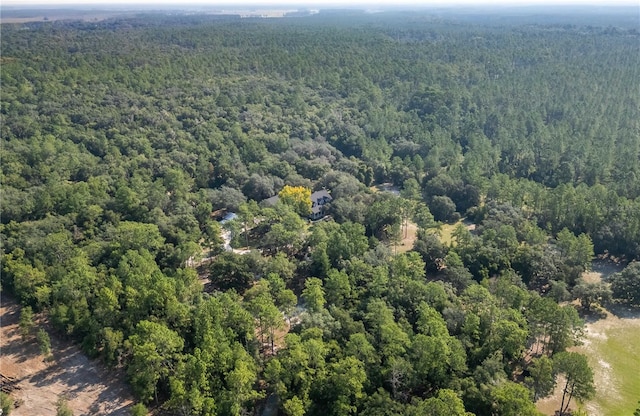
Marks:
<point>320,3</point>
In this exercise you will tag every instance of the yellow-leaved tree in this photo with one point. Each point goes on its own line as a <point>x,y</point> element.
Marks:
<point>297,197</point>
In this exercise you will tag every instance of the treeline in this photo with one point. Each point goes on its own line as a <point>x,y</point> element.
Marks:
<point>121,138</point>
<point>222,102</point>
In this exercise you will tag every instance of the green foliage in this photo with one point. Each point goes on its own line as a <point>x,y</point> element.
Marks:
<point>26,323</point>
<point>340,391</point>
<point>62,407</point>
<point>294,407</point>
<point>430,322</point>
<point>231,271</point>
<point>44,342</point>
<point>136,236</point>
<point>592,293</point>
<point>6,403</point>
<point>446,402</point>
<point>444,209</point>
<point>508,336</point>
<point>261,305</point>
<point>555,327</point>
<point>577,252</point>
<point>27,281</point>
<point>542,379</point>
<point>138,409</point>
<point>281,266</point>
<point>298,197</point>
<point>625,286</point>
<point>338,288</point>
<point>578,377</point>
<point>346,242</point>
<point>313,294</point>
<point>154,349</point>
<point>119,144</point>
<point>285,231</point>
<point>383,217</point>
<point>511,399</point>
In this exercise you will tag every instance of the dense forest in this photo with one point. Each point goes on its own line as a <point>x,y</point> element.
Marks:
<point>125,141</point>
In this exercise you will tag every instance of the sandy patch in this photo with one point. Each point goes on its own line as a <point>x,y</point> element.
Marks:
<point>409,238</point>
<point>89,388</point>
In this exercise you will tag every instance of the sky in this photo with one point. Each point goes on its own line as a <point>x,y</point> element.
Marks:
<point>317,3</point>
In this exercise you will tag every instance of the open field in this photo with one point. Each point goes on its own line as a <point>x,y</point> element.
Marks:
<point>612,346</point>
<point>446,230</point>
<point>89,388</point>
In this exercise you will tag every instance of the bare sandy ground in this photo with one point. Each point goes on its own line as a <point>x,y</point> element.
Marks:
<point>601,269</point>
<point>407,241</point>
<point>88,387</point>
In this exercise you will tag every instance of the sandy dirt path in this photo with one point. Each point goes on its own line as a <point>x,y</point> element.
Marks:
<point>88,387</point>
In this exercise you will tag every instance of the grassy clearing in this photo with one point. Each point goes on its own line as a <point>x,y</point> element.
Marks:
<point>613,348</point>
<point>446,231</point>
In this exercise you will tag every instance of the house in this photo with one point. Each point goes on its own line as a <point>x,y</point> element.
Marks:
<point>319,199</point>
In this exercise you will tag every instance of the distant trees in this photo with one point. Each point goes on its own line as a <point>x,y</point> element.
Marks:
<point>443,209</point>
<point>553,328</point>
<point>262,306</point>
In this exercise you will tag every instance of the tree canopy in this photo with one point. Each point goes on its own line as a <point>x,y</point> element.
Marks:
<point>125,140</point>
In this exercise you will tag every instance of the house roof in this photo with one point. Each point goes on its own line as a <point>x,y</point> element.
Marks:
<point>323,193</point>
<point>318,199</point>
<point>228,217</point>
<point>271,201</point>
